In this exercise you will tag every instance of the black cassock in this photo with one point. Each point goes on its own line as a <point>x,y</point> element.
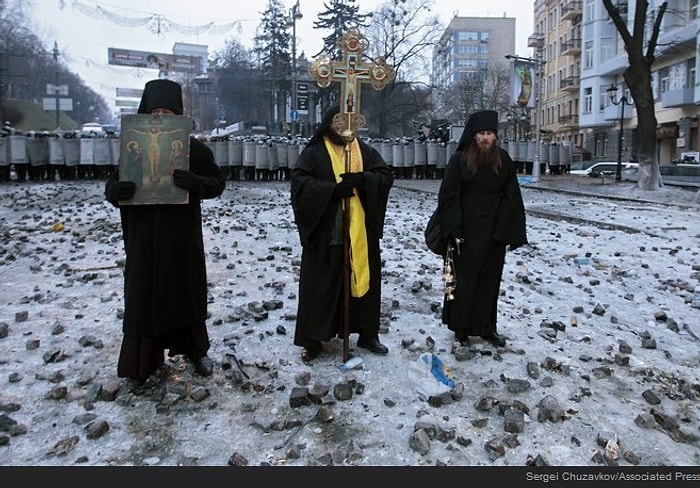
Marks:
<point>165,281</point>
<point>489,210</point>
<point>316,212</point>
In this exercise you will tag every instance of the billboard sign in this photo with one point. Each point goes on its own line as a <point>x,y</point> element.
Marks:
<point>150,60</point>
<point>522,84</point>
<point>129,92</point>
<point>64,104</point>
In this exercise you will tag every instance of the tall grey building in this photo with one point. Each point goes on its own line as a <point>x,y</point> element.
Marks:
<point>469,65</point>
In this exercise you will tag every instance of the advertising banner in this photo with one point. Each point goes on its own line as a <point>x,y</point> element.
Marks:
<point>150,60</point>
<point>522,84</point>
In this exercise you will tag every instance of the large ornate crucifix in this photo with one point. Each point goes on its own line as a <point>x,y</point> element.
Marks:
<point>351,72</point>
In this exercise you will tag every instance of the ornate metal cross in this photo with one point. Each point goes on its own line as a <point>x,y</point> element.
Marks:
<point>351,73</point>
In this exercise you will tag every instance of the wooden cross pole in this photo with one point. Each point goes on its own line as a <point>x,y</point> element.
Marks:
<point>351,72</point>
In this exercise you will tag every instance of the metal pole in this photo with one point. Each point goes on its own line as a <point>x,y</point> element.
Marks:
<point>618,169</point>
<point>55,88</point>
<point>295,15</point>
<point>536,157</point>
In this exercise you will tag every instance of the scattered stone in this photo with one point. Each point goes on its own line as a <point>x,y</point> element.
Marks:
<point>96,429</point>
<point>549,409</point>
<point>419,442</point>
<point>651,397</point>
<point>342,391</point>
<point>237,459</point>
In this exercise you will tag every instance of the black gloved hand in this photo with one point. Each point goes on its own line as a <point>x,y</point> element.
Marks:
<point>121,190</point>
<point>186,180</point>
<point>342,190</point>
<point>356,180</point>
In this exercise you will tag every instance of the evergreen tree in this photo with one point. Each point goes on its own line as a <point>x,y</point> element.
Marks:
<point>272,47</point>
<point>338,17</point>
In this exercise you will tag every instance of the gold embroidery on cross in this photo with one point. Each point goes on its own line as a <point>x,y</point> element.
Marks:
<point>351,73</point>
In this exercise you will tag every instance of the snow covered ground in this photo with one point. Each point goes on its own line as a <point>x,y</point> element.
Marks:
<point>600,311</point>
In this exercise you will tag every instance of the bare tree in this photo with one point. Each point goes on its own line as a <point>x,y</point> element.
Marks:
<point>481,90</point>
<point>238,84</point>
<point>640,46</point>
<point>18,41</point>
<point>403,32</point>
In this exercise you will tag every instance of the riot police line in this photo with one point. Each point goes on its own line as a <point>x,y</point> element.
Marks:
<point>51,156</point>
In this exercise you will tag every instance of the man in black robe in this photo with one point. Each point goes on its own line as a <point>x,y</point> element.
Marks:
<point>483,215</point>
<point>165,279</point>
<point>320,188</point>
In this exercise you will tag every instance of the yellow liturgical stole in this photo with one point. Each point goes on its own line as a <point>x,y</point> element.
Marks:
<point>359,261</point>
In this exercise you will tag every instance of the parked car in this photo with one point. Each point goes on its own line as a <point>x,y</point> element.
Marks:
<point>607,168</point>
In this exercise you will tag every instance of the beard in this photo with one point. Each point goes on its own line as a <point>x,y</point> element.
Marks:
<point>335,138</point>
<point>484,154</point>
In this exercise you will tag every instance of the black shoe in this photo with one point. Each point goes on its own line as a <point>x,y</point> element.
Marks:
<point>204,366</point>
<point>496,339</point>
<point>372,344</point>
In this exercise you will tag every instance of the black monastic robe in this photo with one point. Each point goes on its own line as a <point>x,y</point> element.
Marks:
<point>320,301</point>
<point>489,211</point>
<point>165,280</point>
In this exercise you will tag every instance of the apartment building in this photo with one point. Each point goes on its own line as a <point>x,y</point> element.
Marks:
<point>583,57</point>
<point>470,57</point>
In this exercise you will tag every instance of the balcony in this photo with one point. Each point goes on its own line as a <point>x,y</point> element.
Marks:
<point>570,120</point>
<point>678,98</point>
<point>536,40</point>
<point>570,84</point>
<point>572,47</point>
<point>571,10</point>
<point>612,112</point>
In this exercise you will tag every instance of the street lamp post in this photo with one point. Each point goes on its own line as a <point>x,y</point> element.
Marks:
<point>56,89</point>
<point>612,94</point>
<point>294,15</point>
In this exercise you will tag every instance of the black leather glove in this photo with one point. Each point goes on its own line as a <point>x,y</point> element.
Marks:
<point>121,190</point>
<point>356,180</point>
<point>186,180</point>
<point>342,190</point>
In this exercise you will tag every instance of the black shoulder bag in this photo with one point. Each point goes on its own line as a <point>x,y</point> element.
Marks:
<point>433,234</point>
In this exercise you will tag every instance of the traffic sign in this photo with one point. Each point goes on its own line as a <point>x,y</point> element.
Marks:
<point>294,115</point>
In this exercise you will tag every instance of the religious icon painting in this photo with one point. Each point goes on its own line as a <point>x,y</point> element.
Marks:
<point>151,148</point>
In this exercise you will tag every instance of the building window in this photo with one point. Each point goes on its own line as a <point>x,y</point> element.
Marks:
<point>664,80</point>
<point>588,55</point>
<point>467,36</point>
<point>588,100</point>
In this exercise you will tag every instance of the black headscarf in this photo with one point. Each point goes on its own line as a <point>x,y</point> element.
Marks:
<point>326,125</point>
<point>161,94</point>
<point>478,121</point>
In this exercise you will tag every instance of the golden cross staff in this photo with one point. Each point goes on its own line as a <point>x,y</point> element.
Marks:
<point>351,73</point>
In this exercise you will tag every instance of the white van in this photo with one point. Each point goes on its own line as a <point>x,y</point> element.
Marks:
<point>92,129</point>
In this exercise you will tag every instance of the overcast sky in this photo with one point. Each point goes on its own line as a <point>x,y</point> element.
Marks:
<point>83,40</point>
